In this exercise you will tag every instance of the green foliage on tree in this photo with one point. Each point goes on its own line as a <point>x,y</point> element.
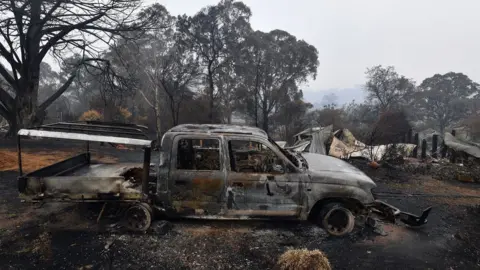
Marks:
<point>445,99</point>
<point>387,90</point>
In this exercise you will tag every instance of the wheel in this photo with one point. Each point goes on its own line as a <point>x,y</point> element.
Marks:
<point>138,217</point>
<point>336,219</point>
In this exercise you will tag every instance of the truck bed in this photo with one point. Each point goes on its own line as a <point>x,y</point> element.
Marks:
<point>104,170</point>
<point>77,179</point>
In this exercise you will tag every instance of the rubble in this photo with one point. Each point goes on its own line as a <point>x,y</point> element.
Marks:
<point>161,227</point>
<point>468,172</point>
<point>443,169</point>
<point>343,144</point>
<point>312,140</point>
<point>470,148</point>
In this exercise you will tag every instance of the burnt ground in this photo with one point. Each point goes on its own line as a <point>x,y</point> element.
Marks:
<point>66,236</point>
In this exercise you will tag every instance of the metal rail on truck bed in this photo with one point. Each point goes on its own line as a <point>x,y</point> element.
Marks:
<point>96,181</point>
<point>98,128</point>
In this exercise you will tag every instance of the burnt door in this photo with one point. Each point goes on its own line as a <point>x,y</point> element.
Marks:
<point>197,175</point>
<point>268,188</point>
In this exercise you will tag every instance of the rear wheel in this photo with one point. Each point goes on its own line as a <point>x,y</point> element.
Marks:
<point>336,219</point>
<point>138,217</point>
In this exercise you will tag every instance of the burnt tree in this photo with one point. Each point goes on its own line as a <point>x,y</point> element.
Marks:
<point>31,29</point>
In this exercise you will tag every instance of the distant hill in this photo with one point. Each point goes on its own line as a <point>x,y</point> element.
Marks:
<point>342,96</point>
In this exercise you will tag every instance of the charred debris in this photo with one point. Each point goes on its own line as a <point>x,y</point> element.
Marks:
<point>449,157</point>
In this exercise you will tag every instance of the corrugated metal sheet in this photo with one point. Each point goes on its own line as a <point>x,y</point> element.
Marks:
<point>458,145</point>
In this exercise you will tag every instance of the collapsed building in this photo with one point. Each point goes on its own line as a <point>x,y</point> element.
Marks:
<point>312,140</point>
<point>467,148</point>
<point>343,144</point>
<point>460,158</point>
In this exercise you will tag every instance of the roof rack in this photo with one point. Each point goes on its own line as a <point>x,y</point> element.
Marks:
<point>219,129</point>
<point>97,128</point>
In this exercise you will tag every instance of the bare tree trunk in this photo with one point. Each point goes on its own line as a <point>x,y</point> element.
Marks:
<point>177,112</point>
<point>256,110</point>
<point>257,81</point>
<point>265,121</point>
<point>229,116</point>
<point>25,112</point>
<point>158,121</point>
<point>442,127</point>
<point>26,99</point>
<point>265,115</point>
<point>211,93</point>
<point>12,126</point>
<point>172,109</point>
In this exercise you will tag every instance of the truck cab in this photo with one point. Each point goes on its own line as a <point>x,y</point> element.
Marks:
<point>238,172</point>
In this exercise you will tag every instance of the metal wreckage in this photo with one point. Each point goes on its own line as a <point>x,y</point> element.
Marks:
<point>208,172</point>
<point>343,144</point>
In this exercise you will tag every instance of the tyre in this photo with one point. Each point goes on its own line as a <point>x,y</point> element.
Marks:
<point>138,217</point>
<point>336,219</point>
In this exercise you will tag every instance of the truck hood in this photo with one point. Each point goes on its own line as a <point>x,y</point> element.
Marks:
<point>327,169</point>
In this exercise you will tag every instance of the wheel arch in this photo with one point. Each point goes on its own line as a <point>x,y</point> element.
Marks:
<point>352,204</point>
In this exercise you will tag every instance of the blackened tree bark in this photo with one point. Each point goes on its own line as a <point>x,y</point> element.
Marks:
<point>30,29</point>
<point>211,93</point>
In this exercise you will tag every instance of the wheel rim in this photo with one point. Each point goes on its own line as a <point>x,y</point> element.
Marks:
<point>138,218</point>
<point>339,221</point>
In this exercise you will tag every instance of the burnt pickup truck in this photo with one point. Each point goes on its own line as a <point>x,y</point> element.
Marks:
<point>209,172</point>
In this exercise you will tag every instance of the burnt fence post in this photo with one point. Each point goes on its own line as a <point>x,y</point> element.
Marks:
<point>434,145</point>
<point>417,143</point>
<point>444,149</point>
<point>424,149</point>
<point>453,156</point>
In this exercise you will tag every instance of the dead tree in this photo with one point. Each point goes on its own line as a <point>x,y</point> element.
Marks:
<point>31,29</point>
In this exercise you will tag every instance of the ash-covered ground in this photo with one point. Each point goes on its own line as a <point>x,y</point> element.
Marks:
<point>67,236</point>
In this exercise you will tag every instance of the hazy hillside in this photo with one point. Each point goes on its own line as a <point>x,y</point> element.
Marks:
<point>345,95</point>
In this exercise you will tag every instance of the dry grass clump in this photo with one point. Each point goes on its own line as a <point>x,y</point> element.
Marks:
<point>303,259</point>
<point>91,115</point>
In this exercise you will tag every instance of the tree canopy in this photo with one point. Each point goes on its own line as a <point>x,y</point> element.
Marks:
<point>446,98</point>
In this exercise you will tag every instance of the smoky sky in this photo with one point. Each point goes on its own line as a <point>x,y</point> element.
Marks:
<point>420,38</point>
